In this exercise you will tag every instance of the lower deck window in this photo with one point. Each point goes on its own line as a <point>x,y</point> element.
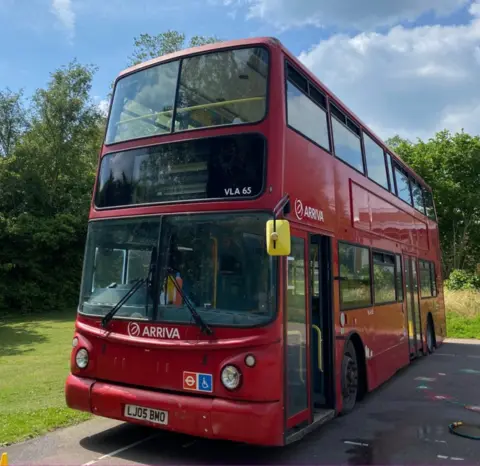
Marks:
<point>355,279</point>
<point>384,277</point>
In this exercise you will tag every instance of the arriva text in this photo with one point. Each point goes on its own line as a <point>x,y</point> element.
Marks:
<point>151,331</point>
<point>311,213</point>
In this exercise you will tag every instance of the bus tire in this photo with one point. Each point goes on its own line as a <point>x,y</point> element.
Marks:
<point>350,377</point>
<point>431,343</point>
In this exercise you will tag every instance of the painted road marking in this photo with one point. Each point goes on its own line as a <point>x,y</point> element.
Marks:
<point>189,444</point>
<point>116,452</point>
<point>435,441</point>
<point>426,379</point>
<point>454,458</point>
<point>444,354</point>
<point>356,443</point>
<point>469,371</point>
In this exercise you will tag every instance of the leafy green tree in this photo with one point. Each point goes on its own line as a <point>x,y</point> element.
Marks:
<point>450,164</point>
<point>46,190</point>
<point>13,120</point>
<point>147,46</point>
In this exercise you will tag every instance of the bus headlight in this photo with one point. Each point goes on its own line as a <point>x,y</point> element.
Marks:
<point>231,377</point>
<point>81,358</point>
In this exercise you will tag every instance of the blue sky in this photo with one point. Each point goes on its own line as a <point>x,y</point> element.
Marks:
<point>408,67</point>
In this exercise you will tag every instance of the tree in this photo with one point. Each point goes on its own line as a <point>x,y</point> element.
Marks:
<point>13,120</point>
<point>46,190</point>
<point>450,164</point>
<point>147,46</point>
<point>57,156</point>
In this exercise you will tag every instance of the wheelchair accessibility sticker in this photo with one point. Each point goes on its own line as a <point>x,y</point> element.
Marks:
<point>198,382</point>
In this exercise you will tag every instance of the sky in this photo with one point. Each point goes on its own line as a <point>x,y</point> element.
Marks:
<point>407,67</point>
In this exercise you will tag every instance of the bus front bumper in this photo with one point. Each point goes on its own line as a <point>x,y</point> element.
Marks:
<point>214,418</point>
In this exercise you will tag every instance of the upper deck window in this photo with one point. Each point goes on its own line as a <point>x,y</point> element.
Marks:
<point>430,211</point>
<point>306,109</point>
<point>375,162</point>
<point>417,195</point>
<point>403,185</point>
<point>346,137</point>
<point>217,88</point>
<point>390,173</point>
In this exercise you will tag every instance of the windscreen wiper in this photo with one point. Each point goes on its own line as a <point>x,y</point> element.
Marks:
<point>148,280</point>
<point>108,317</point>
<point>196,316</point>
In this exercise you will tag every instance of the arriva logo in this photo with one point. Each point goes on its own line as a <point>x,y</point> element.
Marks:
<point>134,330</point>
<point>307,212</point>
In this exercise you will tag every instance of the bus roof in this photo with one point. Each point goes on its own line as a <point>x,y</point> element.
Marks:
<point>270,41</point>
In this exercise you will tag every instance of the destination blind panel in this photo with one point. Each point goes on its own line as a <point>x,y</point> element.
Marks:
<point>209,168</point>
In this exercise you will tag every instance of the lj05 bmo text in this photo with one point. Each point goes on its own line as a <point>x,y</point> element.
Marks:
<point>146,414</point>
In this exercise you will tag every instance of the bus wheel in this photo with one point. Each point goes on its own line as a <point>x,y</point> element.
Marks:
<point>350,377</point>
<point>430,336</point>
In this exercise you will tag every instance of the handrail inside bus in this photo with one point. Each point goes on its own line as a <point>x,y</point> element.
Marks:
<point>187,109</point>
<point>319,354</point>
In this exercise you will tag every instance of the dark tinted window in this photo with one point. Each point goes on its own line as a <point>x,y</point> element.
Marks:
<point>355,279</point>
<point>390,173</point>
<point>425,279</point>
<point>430,211</point>
<point>403,185</point>
<point>399,277</point>
<point>297,79</point>
<point>375,161</point>
<point>417,195</point>
<point>346,138</point>
<point>306,116</point>
<point>428,285</point>
<point>221,167</point>
<point>384,277</point>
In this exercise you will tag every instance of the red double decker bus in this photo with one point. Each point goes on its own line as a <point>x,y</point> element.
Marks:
<point>256,259</point>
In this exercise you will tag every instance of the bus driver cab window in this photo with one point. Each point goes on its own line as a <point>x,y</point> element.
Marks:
<point>230,274</point>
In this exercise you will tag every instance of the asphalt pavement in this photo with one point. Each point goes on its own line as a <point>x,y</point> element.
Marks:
<point>403,422</point>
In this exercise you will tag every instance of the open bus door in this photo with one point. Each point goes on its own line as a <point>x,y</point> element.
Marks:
<point>309,348</point>
<point>414,321</point>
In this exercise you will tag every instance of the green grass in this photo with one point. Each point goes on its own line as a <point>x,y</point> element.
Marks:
<point>34,363</point>
<point>463,314</point>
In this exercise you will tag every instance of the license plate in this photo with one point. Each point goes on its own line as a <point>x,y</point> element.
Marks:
<point>146,414</point>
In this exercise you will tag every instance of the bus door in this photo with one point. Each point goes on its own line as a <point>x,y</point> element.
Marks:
<point>414,322</point>
<point>308,322</point>
<point>297,397</point>
<point>322,344</point>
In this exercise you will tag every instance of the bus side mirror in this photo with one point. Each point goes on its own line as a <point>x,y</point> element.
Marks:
<point>278,239</point>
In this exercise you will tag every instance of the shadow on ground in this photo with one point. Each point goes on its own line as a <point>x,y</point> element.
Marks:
<point>20,334</point>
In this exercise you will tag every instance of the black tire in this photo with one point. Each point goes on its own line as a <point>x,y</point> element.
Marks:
<point>350,378</point>
<point>430,337</point>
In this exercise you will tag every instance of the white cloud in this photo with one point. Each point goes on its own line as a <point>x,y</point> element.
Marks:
<point>103,107</point>
<point>102,104</point>
<point>408,81</point>
<point>359,14</point>
<point>62,9</point>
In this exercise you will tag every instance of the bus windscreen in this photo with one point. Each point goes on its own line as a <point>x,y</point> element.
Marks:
<point>209,168</point>
<point>212,89</point>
